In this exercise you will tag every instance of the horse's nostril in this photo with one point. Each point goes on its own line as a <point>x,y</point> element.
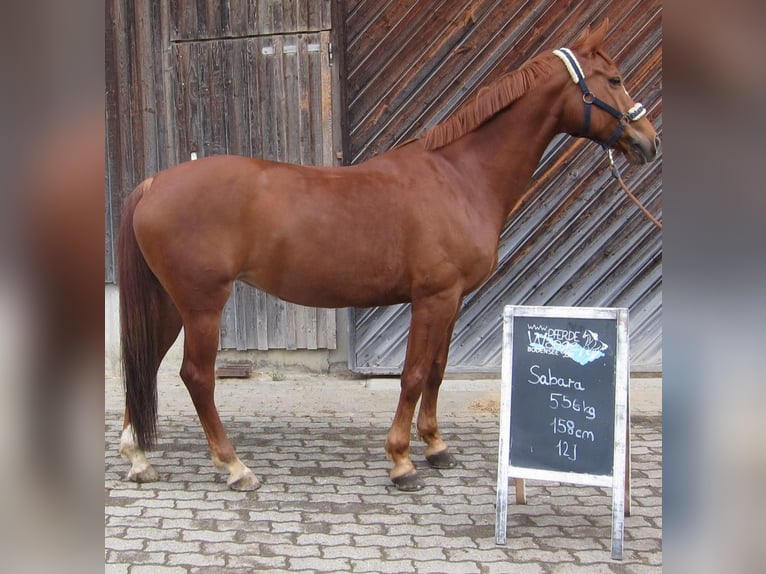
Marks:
<point>656,144</point>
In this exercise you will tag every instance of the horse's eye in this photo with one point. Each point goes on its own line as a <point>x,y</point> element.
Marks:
<point>615,81</point>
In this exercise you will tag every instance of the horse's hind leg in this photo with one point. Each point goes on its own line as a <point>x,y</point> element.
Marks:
<point>169,325</point>
<point>198,374</point>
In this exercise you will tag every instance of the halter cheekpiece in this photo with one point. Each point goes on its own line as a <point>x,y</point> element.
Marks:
<point>589,99</point>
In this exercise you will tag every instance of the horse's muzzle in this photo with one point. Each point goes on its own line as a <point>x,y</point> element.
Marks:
<point>641,149</point>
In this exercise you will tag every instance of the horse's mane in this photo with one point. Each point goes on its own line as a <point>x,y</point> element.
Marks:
<point>488,102</point>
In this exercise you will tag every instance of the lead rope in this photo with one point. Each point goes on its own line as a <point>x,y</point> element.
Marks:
<point>618,177</point>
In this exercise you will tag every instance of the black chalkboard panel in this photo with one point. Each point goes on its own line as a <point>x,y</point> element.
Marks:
<point>563,394</point>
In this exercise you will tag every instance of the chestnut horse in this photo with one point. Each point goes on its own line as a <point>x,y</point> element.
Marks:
<point>420,223</point>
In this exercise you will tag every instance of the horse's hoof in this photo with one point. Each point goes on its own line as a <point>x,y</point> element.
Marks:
<point>143,474</point>
<point>244,483</point>
<point>442,459</point>
<point>409,482</point>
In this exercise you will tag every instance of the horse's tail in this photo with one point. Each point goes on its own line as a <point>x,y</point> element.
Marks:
<point>140,295</point>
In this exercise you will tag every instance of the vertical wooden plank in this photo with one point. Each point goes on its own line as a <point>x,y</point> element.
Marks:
<point>227,336</point>
<point>289,16</point>
<point>202,16</point>
<point>314,16</point>
<point>187,19</point>
<point>111,144</point>
<point>314,95</point>
<point>167,148</point>
<point>173,10</point>
<point>277,17</point>
<point>270,133</point>
<point>253,17</point>
<point>222,18</point>
<point>201,111</point>
<point>326,328</point>
<point>291,117</point>
<point>263,20</point>
<point>238,296</point>
<point>253,95</point>
<point>123,56</point>
<point>249,303</point>
<point>301,8</point>
<point>326,15</point>
<point>281,80</point>
<point>298,317</point>
<point>521,491</point>
<point>308,155</point>
<point>238,18</point>
<point>146,112</point>
<point>262,321</point>
<point>235,81</point>
<point>270,333</point>
<point>277,323</point>
<point>182,100</point>
<point>218,136</point>
<point>326,91</point>
<point>306,317</point>
<point>200,100</point>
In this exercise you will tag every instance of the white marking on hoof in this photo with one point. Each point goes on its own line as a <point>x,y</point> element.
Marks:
<point>244,482</point>
<point>240,478</point>
<point>140,469</point>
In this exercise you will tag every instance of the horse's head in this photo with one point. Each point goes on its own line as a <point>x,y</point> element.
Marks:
<point>597,104</point>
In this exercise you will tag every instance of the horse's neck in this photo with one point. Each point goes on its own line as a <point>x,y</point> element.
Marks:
<point>500,157</point>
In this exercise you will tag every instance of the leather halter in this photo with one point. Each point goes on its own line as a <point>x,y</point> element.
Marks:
<point>589,99</point>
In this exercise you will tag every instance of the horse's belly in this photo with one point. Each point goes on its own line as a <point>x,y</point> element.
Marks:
<point>324,285</point>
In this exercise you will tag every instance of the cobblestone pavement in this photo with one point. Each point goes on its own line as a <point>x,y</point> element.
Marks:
<point>326,504</point>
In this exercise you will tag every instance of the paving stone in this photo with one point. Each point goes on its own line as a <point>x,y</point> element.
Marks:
<point>385,567</point>
<point>257,563</point>
<point>582,569</point>
<point>113,543</point>
<point>414,554</point>
<point>512,568</point>
<point>208,535</point>
<point>156,569</point>
<point>353,553</point>
<point>195,559</point>
<point>137,557</point>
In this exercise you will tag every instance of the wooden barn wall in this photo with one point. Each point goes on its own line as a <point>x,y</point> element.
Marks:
<point>210,77</point>
<point>138,141</point>
<point>577,239</point>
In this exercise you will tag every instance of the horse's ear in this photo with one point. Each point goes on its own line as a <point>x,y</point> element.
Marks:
<point>591,40</point>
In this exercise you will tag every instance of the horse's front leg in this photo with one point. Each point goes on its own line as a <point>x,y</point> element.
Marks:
<point>430,330</point>
<point>437,453</point>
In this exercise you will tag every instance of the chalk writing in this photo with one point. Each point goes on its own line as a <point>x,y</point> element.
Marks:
<point>565,450</point>
<point>562,401</point>
<point>551,380</point>
<point>582,347</point>
<point>569,427</point>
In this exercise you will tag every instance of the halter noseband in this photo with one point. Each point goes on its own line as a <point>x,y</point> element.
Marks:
<point>578,77</point>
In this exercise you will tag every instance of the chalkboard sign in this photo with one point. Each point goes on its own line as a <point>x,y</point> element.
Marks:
<point>564,401</point>
<point>562,405</point>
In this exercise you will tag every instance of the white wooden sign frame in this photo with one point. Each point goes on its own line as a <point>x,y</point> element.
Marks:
<point>619,480</point>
